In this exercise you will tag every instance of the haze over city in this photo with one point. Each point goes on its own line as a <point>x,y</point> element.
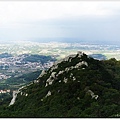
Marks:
<point>86,21</point>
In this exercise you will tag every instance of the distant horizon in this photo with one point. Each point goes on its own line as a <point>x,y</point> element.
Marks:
<point>61,40</point>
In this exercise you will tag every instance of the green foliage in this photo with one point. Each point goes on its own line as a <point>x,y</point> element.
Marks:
<point>23,78</point>
<point>72,99</point>
<point>38,58</point>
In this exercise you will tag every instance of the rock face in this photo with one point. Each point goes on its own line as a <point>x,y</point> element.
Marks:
<point>14,97</point>
<point>93,95</point>
<point>77,86</point>
<point>15,93</point>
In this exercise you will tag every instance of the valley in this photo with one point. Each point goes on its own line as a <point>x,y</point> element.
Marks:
<point>19,70</point>
<point>20,59</point>
<point>22,63</point>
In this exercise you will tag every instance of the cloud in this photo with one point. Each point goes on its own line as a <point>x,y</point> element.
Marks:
<point>86,20</point>
<point>19,11</point>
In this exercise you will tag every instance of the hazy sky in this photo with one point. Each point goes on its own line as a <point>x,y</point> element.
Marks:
<point>84,20</point>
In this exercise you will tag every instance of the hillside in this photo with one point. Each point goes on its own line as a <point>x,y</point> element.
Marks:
<point>77,86</point>
<point>98,56</point>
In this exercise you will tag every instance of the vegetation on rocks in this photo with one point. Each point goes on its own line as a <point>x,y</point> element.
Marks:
<point>78,86</point>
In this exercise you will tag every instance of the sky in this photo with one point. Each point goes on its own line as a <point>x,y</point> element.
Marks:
<point>89,21</point>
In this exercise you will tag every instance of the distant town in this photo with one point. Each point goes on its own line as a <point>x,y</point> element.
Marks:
<point>15,65</point>
<point>12,55</point>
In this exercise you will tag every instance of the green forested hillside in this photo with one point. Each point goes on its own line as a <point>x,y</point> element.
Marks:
<point>77,86</point>
<point>22,79</point>
<point>38,58</point>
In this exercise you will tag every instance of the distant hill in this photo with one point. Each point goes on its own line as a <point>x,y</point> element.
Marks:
<point>98,56</point>
<point>5,55</point>
<point>77,86</point>
<point>38,58</point>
